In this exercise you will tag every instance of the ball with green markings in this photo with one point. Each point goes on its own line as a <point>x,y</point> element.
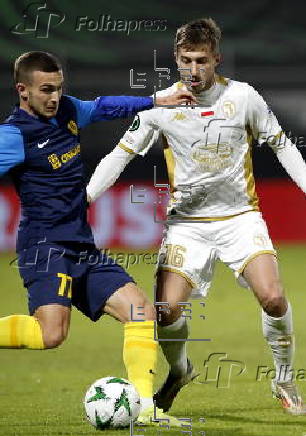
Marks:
<point>111,402</point>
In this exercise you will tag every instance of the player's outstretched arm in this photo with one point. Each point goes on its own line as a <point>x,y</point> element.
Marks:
<point>107,172</point>
<point>266,129</point>
<point>293,162</point>
<point>123,106</point>
<point>178,98</point>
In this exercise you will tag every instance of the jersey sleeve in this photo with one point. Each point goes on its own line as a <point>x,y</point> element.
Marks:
<point>109,108</point>
<point>142,134</point>
<point>11,148</point>
<point>262,121</point>
<point>265,129</point>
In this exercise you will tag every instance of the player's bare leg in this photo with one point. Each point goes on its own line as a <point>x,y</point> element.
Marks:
<point>173,288</point>
<point>47,328</point>
<point>131,306</point>
<point>54,320</point>
<point>263,277</point>
<point>130,303</point>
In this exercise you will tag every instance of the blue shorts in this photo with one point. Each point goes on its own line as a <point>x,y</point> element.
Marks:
<point>68,274</point>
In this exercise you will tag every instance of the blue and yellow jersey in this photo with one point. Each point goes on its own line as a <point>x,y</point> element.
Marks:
<point>44,158</point>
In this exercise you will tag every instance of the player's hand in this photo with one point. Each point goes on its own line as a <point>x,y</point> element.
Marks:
<point>179,98</point>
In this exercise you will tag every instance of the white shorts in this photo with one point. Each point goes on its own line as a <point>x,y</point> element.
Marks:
<point>192,248</point>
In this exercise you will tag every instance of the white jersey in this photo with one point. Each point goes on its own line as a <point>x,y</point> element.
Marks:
<point>208,148</point>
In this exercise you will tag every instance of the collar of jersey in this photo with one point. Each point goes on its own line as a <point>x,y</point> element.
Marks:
<point>209,97</point>
<point>25,114</point>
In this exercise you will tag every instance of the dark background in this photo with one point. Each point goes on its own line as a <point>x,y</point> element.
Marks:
<point>264,43</point>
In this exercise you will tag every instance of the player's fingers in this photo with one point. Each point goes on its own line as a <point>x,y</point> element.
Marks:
<point>188,96</point>
<point>180,97</point>
<point>186,101</point>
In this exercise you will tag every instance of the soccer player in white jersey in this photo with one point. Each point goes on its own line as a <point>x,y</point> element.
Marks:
<point>213,212</point>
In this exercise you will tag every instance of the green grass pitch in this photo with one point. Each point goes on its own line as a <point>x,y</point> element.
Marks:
<point>41,392</point>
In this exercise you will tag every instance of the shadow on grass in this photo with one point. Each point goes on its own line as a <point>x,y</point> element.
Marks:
<point>285,419</point>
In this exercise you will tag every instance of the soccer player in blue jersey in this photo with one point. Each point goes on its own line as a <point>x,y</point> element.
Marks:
<point>40,144</point>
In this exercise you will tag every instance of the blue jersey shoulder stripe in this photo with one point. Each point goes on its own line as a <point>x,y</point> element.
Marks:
<point>84,109</point>
<point>11,147</point>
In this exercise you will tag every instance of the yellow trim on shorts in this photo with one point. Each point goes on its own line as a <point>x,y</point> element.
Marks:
<point>180,273</point>
<point>211,218</point>
<point>246,262</point>
<point>125,148</point>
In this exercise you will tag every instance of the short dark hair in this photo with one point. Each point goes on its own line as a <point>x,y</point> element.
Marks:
<point>201,31</point>
<point>34,61</point>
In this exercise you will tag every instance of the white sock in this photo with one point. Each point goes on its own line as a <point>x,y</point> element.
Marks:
<point>145,403</point>
<point>279,335</point>
<point>175,351</point>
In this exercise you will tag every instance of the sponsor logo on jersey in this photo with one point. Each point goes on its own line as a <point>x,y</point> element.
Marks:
<point>229,109</point>
<point>135,125</point>
<point>57,161</point>
<point>54,161</point>
<point>72,126</point>
<point>213,157</point>
<point>71,153</point>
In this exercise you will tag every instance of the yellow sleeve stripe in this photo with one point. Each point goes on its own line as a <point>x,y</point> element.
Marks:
<point>125,148</point>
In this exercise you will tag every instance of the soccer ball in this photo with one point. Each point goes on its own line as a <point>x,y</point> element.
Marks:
<point>111,402</point>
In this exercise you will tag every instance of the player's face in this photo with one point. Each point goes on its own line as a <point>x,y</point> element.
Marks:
<point>197,65</point>
<point>43,93</point>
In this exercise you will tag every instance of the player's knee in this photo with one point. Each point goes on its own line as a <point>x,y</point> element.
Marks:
<point>143,310</point>
<point>149,311</point>
<point>130,303</point>
<point>53,339</point>
<point>274,302</point>
<point>168,314</point>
